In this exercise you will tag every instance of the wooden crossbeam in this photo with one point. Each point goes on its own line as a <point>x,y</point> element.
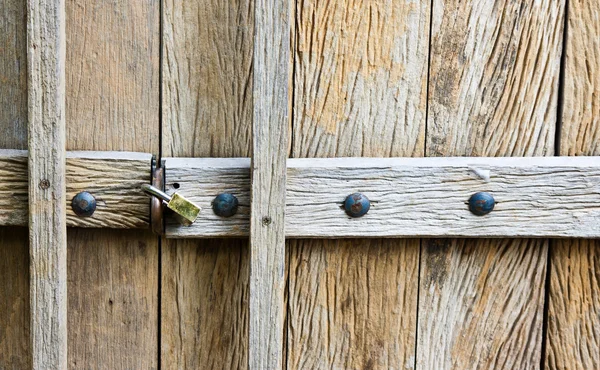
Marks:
<point>113,178</point>
<point>411,197</point>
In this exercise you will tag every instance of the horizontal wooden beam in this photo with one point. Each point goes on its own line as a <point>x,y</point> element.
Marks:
<point>113,178</point>
<point>410,197</point>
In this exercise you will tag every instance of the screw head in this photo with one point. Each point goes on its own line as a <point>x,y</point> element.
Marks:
<point>357,205</point>
<point>225,205</point>
<point>481,203</point>
<point>83,204</point>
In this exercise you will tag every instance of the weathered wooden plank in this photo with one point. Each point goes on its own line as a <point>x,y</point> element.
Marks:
<point>207,111</point>
<point>113,178</point>
<point>359,88</point>
<point>15,344</point>
<point>112,104</point>
<point>47,183</point>
<point>573,339</point>
<point>268,180</point>
<point>494,77</point>
<point>536,197</point>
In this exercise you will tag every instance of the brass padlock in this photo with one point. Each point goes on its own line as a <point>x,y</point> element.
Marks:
<point>185,209</point>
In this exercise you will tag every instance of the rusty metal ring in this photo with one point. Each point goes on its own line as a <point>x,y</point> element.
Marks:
<point>156,205</point>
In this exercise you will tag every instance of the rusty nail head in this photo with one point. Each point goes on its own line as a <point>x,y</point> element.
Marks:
<point>481,203</point>
<point>357,205</point>
<point>225,205</point>
<point>83,204</point>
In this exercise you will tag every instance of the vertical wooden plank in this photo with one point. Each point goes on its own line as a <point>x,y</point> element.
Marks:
<point>492,92</point>
<point>360,75</point>
<point>112,104</point>
<point>47,183</point>
<point>207,111</point>
<point>268,176</point>
<point>14,252</point>
<point>573,339</point>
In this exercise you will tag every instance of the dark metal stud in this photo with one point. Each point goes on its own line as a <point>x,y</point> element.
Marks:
<point>357,205</point>
<point>225,205</point>
<point>481,203</point>
<point>83,204</point>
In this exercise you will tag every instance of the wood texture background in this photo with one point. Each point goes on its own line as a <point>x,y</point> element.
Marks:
<point>208,109</point>
<point>493,88</point>
<point>359,90</point>
<point>15,348</point>
<point>112,104</point>
<point>573,339</point>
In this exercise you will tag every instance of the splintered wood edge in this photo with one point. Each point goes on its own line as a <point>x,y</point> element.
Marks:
<point>113,178</point>
<point>410,197</point>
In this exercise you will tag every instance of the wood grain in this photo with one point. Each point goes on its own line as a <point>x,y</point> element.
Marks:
<point>112,104</point>
<point>47,183</point>
<point>268,180</point>
<point>573,340</point>
<point>493,92</point>
<point>113,178</point>
<point>15,346</point>
<point>13,75</point>
<point>580,129</point>
<point>536,197</point>
<point>360,78</point>
<point>207,111</point>
<point>359,90</point>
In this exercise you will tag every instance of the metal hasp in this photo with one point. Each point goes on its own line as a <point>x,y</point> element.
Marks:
<point>187,210</point>
<point>357,205</point>
<point>481,203</point>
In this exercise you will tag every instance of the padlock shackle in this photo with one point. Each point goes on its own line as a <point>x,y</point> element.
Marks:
<point>149,189</point>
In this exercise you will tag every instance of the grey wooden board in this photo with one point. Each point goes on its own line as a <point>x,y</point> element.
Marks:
<point>536,197</point>
<point>113,178</point>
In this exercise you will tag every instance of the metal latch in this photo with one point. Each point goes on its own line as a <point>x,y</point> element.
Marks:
<point>185,209</point>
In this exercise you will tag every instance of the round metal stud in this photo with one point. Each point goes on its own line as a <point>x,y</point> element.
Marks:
<point>357,205</point>
<point>225,205</point>
<point>83,204</point>
<point>481,203</point>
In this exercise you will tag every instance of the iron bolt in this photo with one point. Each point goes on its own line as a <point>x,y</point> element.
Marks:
<point>225,205</point>
<point>357,205</point>
<point>481,203</point>
<point>83,204</point>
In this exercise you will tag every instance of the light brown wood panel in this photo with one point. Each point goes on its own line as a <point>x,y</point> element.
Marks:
<point>574,306</point>
<point>15,349</point>
<point>573,340</point>
<point>113,300</point>
<point>360,74</point>
<point>207,107</point>
<point>352,304</point>
<point>112,104</point>
<point>13,75</point>
<point>112,75</point>
<point>493,92</point>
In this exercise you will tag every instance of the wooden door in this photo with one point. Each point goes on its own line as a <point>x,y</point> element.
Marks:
<point>404,78</point>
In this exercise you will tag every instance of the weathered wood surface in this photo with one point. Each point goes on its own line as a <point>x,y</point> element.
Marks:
<point>207,111</point>
<point>13,75</point>
<point>542,196</point>
<point>573,340</point>
<point>113,178</point>
<point>493,92</point>
<point>112,104</point>
<point>47,183</point>
<point>271,96</point>
<point>360,77</point>
<point>15,346</point>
